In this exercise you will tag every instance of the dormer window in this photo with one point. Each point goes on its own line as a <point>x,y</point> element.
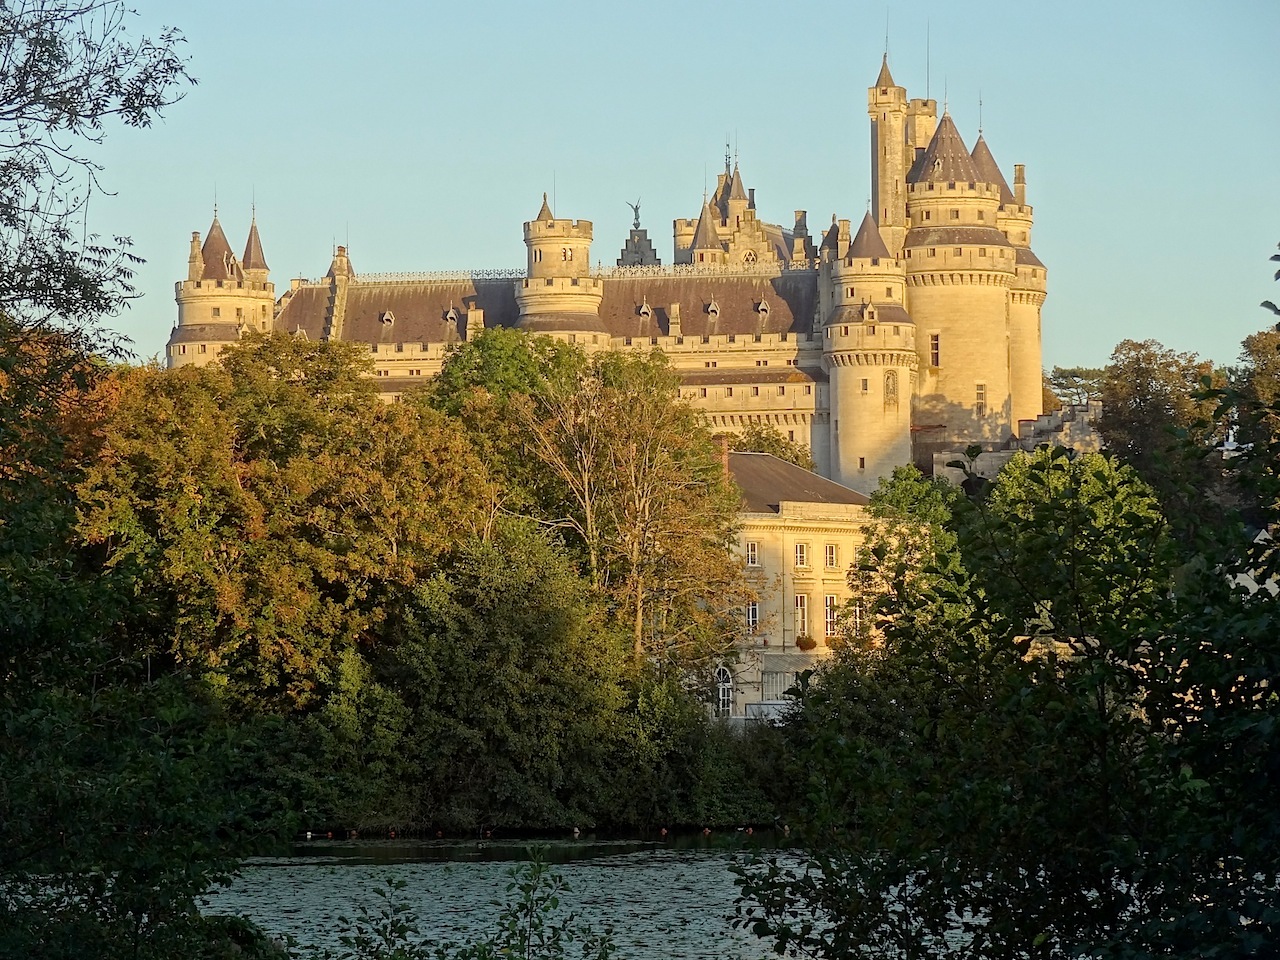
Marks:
<point>644,309</point>
<point>452,315</point>
<point>713,309</point>
<point>763,309</point>
<point>386,318</point>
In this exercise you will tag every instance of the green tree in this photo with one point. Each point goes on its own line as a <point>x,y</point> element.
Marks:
<point>1076,385</point>
<point>1054,770</point>
<point>766,438</point>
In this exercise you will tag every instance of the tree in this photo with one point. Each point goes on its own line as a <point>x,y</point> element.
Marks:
<point>273,508</point>
<point>68,69</point>
<point>766,438</point>
<point>647,497</point>
<point>1071,764</point>
<point>1076,385</point>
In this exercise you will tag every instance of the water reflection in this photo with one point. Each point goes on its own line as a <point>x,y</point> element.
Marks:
<point>661,899</point>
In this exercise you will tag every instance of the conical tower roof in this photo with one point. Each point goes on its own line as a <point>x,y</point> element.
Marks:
<point>868,243</point>
<point>704,238</point>
<point>736,190</point>
<point>886,78</point>
<point>544,215</point>
<point>945,159</point>
<point>253,258</point>
<point>989,170</point>
<point>218,259</point>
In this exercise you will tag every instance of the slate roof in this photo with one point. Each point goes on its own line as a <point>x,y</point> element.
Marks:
<point>791,300</point>
<point>989,171</point>
<point>868,243</point>
<point>765,482</point>
<point>946,158</point>
<point>219,261</point>
<point>1026,258</point>
<point>946,236</point>
<point>749,375</point>
<point>704,238</point>
<point>886,78</point>
<point>545,213</point>
<point>253,258</point>
<point>885,313</point>
<point>205,333</point>
<point>736,190</point>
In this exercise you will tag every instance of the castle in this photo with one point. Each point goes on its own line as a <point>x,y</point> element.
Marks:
<point>918,332</point>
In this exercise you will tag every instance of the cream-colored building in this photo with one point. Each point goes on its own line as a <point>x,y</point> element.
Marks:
<point>918,332</point>
<point>799,535</point>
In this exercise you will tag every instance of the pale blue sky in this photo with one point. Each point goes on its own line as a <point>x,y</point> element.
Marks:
<point>424,134</point>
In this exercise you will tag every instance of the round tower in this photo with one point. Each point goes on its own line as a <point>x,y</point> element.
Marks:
<point>869,351</point>
<point>558,295</point>
<point>1026,298</point>
<point>221,297</point>
<point>959,268</point>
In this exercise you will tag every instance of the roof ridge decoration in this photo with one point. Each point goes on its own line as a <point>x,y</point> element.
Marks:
<point>946,159</point>
<point>868,244</point>
<point>989,171</point>
<point>544,215</point>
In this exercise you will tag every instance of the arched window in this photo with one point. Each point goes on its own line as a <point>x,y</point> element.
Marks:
<point>724,692</point>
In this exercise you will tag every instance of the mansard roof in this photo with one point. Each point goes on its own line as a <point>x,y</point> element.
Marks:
<point>942,236</point>
<point>253,258</point>
<point>868,244</point>
<point>219,261</point>
<point>946,159</point>
<point>791,299</point>
<point>989,171</point>
<point>766,482</point>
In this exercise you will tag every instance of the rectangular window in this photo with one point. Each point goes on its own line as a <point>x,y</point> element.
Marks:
<point>829,612</point>
<point>933,251</point>
<point>217,311</point>
<point>728,391</point>
<point>202,348</point>
<point>888,291</point>
<point>802,554</point>
<point>782,391</point>
<point>866,385</point>
<point>808,389</point>
<point>980,400</point>
<point>755,391</point>
<point>862,463</point>
<point>955,214</point>
<point>927,214</point>
<point>702,391</point>
<point>802,615</point>
<point>830,556</point>
<point>753,553</point>
<point>935,349</point>
<point>753,616</point>
<point>239,313</point>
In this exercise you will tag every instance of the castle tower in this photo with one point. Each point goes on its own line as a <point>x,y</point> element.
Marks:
<point>890,157</point>
<point>558,296</point>
<point>1027,295</point>
<point>869,351</point>
<point>706,248</point>
<point>959,269</point>
<point>220,298</point>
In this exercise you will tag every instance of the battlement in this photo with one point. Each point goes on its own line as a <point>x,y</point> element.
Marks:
<point>586,285</point>
<point>871,335</point>
<point>575,229</point>
<point>252,288</point>
<point>929,190</point>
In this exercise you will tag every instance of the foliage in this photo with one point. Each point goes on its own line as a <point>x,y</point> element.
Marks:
<point>1076,385</point>
<point>512,690</point>
<point>68,69</point>
<point>273,507</point>
<point>766,438</point>
<point>1072,762</point>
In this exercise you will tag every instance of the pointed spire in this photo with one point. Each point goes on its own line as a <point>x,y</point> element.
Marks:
<point>989,170</point>
<point>886,78</point>
<point>704,238</point>
<point>341,265</point>
<point>736,190</point>
<point>219,261</point>
<point>544,215</point>
<point>253,258</point>
<point>945,159</point>
<point>868,243</point>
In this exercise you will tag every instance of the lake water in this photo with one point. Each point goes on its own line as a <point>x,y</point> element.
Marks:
<point>662,900</point>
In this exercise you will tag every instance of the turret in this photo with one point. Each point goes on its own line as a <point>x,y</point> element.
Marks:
<point>890,160</point>
<point>221,297</point>
<point>959,268</point>
<point>558,295</point>
<point>706,248</point>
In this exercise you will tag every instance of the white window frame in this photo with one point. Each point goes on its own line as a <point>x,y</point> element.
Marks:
<point>752,551</point>
<point>831,613</point>
<point>802,555</point>
<point>753,616</point>
<point>831,556</point>
<point>802,615</point>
